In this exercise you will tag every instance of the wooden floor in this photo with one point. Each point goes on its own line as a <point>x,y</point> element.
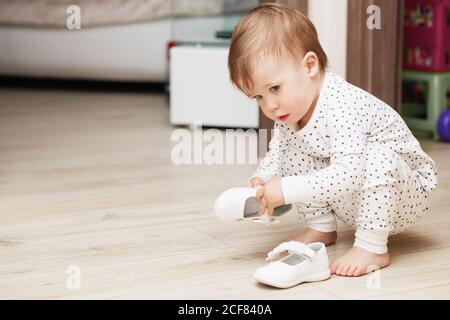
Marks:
<point>86,180</point>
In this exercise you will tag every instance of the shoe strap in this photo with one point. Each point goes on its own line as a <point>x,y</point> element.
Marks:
<point>291,247</point>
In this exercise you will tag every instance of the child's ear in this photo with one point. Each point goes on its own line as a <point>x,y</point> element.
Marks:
<point>311,63</point>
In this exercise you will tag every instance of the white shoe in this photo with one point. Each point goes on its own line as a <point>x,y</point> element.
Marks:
<point>305,263</point>
<point>240,203</point>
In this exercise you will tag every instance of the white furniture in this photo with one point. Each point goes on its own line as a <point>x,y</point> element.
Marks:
<point>123,40</point>
<point>135,52</point>
<point>201,90</point>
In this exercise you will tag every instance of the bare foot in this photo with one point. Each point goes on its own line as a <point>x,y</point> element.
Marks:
<point>358,261</point>
<point>311,235</point>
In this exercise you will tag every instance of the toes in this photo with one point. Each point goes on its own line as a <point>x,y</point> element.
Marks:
<point>359,271</point>
<point>351,271</point>
<point>344,270</point>
<point>333,268</point>
<point>340,269</point>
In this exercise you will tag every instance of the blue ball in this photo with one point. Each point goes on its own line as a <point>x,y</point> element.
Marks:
<point>443,126</point>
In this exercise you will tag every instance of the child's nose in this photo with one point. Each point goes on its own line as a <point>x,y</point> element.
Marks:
<point>273,105</point>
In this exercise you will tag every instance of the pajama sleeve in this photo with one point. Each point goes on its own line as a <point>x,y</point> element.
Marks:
<point>270,166</point>
<point>345,174</point>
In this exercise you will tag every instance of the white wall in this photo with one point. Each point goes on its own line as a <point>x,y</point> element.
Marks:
<point>330,19</point>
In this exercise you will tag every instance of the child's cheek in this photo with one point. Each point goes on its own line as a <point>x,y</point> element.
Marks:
<point>295,104</point>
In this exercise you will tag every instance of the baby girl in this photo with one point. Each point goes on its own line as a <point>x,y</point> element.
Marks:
<point>336,150</point>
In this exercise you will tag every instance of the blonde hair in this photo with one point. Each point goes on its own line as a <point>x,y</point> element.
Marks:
<point>272,29</point>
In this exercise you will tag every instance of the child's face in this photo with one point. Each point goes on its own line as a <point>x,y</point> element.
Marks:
<point>283,89</point>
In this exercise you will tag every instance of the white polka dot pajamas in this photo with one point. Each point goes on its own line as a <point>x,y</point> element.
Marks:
<point>355,159</point>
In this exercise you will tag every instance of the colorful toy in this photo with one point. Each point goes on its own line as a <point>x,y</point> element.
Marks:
<point>425,95</point>
<point>427,35</point>
<point>443,126</point>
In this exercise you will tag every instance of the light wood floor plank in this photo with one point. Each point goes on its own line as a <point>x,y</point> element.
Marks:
<point>86,179</point>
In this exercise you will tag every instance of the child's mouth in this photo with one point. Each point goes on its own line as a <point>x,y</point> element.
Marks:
<point>283,118</point>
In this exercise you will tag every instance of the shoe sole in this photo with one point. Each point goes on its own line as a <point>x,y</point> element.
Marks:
<point>316,277</point>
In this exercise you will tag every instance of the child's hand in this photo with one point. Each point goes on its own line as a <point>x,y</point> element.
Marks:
<point>270,196</point>
<point>256,181</point>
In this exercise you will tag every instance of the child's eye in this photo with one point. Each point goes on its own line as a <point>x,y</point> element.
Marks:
<point>275,88</point>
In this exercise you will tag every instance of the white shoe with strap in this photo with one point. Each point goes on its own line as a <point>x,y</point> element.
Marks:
<point>304,263</point>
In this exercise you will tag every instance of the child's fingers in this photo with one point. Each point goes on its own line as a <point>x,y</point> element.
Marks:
<point>260,193</point>
<point>262,207</point>
<point>270,210</point>
<point>258,182</point>
<point>251,183</point>
<point>255,183</point>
